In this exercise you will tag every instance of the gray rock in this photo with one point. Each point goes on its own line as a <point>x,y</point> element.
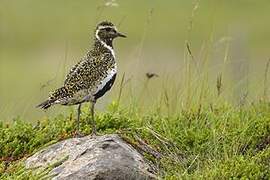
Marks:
<point>102,157</point>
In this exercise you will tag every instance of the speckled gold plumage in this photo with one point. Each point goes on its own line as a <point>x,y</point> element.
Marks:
<point>83,81</point>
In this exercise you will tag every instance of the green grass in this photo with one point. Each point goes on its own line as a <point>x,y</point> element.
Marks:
<point>32,37</point>
<point>200,119</point>
<point>211,142</point>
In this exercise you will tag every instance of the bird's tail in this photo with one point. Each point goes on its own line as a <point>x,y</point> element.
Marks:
<point>56,95</point>
<point>46,104</point>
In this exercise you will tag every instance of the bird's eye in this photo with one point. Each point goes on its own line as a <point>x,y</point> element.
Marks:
<point>107,29</point>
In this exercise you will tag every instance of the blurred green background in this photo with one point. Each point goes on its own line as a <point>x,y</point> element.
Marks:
<point>41,40</point>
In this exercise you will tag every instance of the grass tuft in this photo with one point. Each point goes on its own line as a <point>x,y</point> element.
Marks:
<point>210,143</point>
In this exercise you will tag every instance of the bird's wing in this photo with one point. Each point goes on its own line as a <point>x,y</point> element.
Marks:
<point>71,72</point>
<point>80,76</point>
<point>86,74</point>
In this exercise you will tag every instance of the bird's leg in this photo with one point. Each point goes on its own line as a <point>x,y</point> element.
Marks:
<point>77,133</point>
<point>92,121</point>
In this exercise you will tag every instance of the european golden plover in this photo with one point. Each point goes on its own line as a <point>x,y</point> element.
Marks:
<point>92,77</point>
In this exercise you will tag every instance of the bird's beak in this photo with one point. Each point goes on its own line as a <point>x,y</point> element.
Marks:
<point>121,35</point>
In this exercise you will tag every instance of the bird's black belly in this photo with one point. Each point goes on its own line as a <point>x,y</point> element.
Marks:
<point>106,88</point>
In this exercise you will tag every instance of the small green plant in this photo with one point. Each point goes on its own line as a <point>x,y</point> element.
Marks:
<point>215,142</point>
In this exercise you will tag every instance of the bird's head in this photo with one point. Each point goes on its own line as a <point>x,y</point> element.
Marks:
<point>106,31</point>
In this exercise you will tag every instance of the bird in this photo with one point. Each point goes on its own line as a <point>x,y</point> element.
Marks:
<point>150,75</point>
<point>91,77</point>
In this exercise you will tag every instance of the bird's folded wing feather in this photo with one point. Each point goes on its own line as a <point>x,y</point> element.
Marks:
<point>86,73</point>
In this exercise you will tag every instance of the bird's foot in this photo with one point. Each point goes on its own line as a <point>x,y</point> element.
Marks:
<point>78,134</point>
<point>94,134</point>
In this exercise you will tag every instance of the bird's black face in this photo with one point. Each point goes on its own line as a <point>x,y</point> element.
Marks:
<point>107,32</point>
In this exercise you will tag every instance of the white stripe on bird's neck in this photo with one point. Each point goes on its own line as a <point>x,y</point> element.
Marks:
<point>104,44</point>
